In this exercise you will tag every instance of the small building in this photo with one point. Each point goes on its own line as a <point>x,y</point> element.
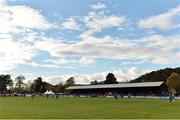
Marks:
<point>134,89</point>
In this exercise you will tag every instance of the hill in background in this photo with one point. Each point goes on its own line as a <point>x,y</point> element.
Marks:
<point>155,76</point>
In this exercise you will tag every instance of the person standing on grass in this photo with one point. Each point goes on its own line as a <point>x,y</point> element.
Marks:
<point>116,96</point>
<point>57,96</point>
<point>32,96</point>
<point>170,97</point>
<point>129,95</point>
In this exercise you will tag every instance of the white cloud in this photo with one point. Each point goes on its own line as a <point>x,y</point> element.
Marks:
<point>23,16</point>
<point>57,61</point>
<point>16,18</point>
<point>98,21</point>
<point>164,42</point>
<point>147,48</point>
<point>134,72</point>
<point>34,64</point>
<point>61,61</point>
<point>98,6</point>
<point>2,3</point>
<point>121,76</point>
<point>162,21</point>
<point>70,24</point>
<point>64,61</point>
<point>31,36</point>
<point>13,53</point>
<point>169,52</point>
<point>92,47</point>
<point>166,58</point>
<point>87,60</point>
<point>16,23</point>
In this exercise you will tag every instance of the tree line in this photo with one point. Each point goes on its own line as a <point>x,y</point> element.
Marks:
<point>36,86</point>
<point>39,86</point>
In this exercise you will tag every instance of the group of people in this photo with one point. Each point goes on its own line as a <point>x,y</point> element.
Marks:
<point>171,96</point>
<point>46,95</point>
<point>54,95</point>
<point>116,96</point>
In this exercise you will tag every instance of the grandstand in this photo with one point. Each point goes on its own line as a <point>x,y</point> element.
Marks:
<point>133,89</point>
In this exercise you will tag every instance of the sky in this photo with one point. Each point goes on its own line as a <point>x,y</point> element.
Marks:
<point>87,39</point>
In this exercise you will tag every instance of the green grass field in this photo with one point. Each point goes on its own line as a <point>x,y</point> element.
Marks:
<point>102,108</point>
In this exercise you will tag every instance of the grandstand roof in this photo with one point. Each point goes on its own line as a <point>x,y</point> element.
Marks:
<point>120,85</point>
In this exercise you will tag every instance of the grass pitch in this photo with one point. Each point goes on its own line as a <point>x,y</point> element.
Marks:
<point>82,108</point>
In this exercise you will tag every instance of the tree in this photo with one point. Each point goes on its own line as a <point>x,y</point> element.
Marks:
<point>5,80</point>
<point>110,79</point>
<point>94,82</point>
<point>37,85</point>
<point>43,87</point>
<point>59,88</point>
<point>19,82</point>
<point>70,82</point>
<point>173,82</point>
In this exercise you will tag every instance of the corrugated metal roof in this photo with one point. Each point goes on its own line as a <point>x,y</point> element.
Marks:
<point>120,85</point>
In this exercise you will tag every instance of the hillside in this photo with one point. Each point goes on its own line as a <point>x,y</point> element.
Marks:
<point>154,76</point>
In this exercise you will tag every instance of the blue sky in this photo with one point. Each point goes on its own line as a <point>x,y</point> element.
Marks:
<point>57,39</point>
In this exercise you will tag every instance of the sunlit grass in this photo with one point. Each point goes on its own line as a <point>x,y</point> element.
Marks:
<point>14,107</point>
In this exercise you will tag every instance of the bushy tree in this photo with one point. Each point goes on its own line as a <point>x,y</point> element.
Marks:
<point>19,82</point>
<point>59,88</point>
<point>43,87</point>
<point>173,82</point>
<point>70,82</point>
<point>94,82</point>
<point>37,85</point>
<point>5,80</point>
<point>110,79</point>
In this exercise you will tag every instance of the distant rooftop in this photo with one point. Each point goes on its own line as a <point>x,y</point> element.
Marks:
<point>120,85</point>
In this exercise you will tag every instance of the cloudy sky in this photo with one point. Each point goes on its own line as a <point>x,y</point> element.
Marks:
<point>57,39</point>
